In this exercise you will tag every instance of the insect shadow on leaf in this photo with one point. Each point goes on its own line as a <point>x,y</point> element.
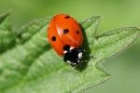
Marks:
<point>86,54</point>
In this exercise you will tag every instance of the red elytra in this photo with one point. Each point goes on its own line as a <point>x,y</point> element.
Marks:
<point>64,34</point>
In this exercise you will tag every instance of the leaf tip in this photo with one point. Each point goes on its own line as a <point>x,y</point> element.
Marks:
<point>4,16</point>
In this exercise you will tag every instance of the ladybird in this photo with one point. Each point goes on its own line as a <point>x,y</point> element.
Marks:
<point>65,36</point>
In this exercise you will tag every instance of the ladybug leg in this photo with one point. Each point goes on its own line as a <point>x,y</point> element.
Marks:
<point>68,62</point>
<point>73,64</point>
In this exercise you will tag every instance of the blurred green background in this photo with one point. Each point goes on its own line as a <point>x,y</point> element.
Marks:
<point>125,68</point>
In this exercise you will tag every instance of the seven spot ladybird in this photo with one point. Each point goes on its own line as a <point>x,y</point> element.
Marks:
<point>65,36</point>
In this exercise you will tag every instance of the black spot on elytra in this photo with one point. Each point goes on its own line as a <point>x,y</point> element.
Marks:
<point>65,31</point>
<point>67,17</point>
<point>66,47</point>
<point>53,38</point>
<point>77,32</point>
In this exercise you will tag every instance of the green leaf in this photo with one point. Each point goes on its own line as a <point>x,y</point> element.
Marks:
<point>7,36</point>
<point>32,66</point>
<point>113,42</point>
<point>29,30</point>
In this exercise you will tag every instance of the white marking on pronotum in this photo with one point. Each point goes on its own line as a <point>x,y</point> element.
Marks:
<point>80,55</point>
<point>65,51</point>
<point>71,48</point>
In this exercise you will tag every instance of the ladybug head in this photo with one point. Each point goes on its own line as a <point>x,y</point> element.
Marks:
<point>73,55</point>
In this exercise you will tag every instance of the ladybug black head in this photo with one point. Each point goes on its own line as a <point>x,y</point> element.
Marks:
<point>73,56</point>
